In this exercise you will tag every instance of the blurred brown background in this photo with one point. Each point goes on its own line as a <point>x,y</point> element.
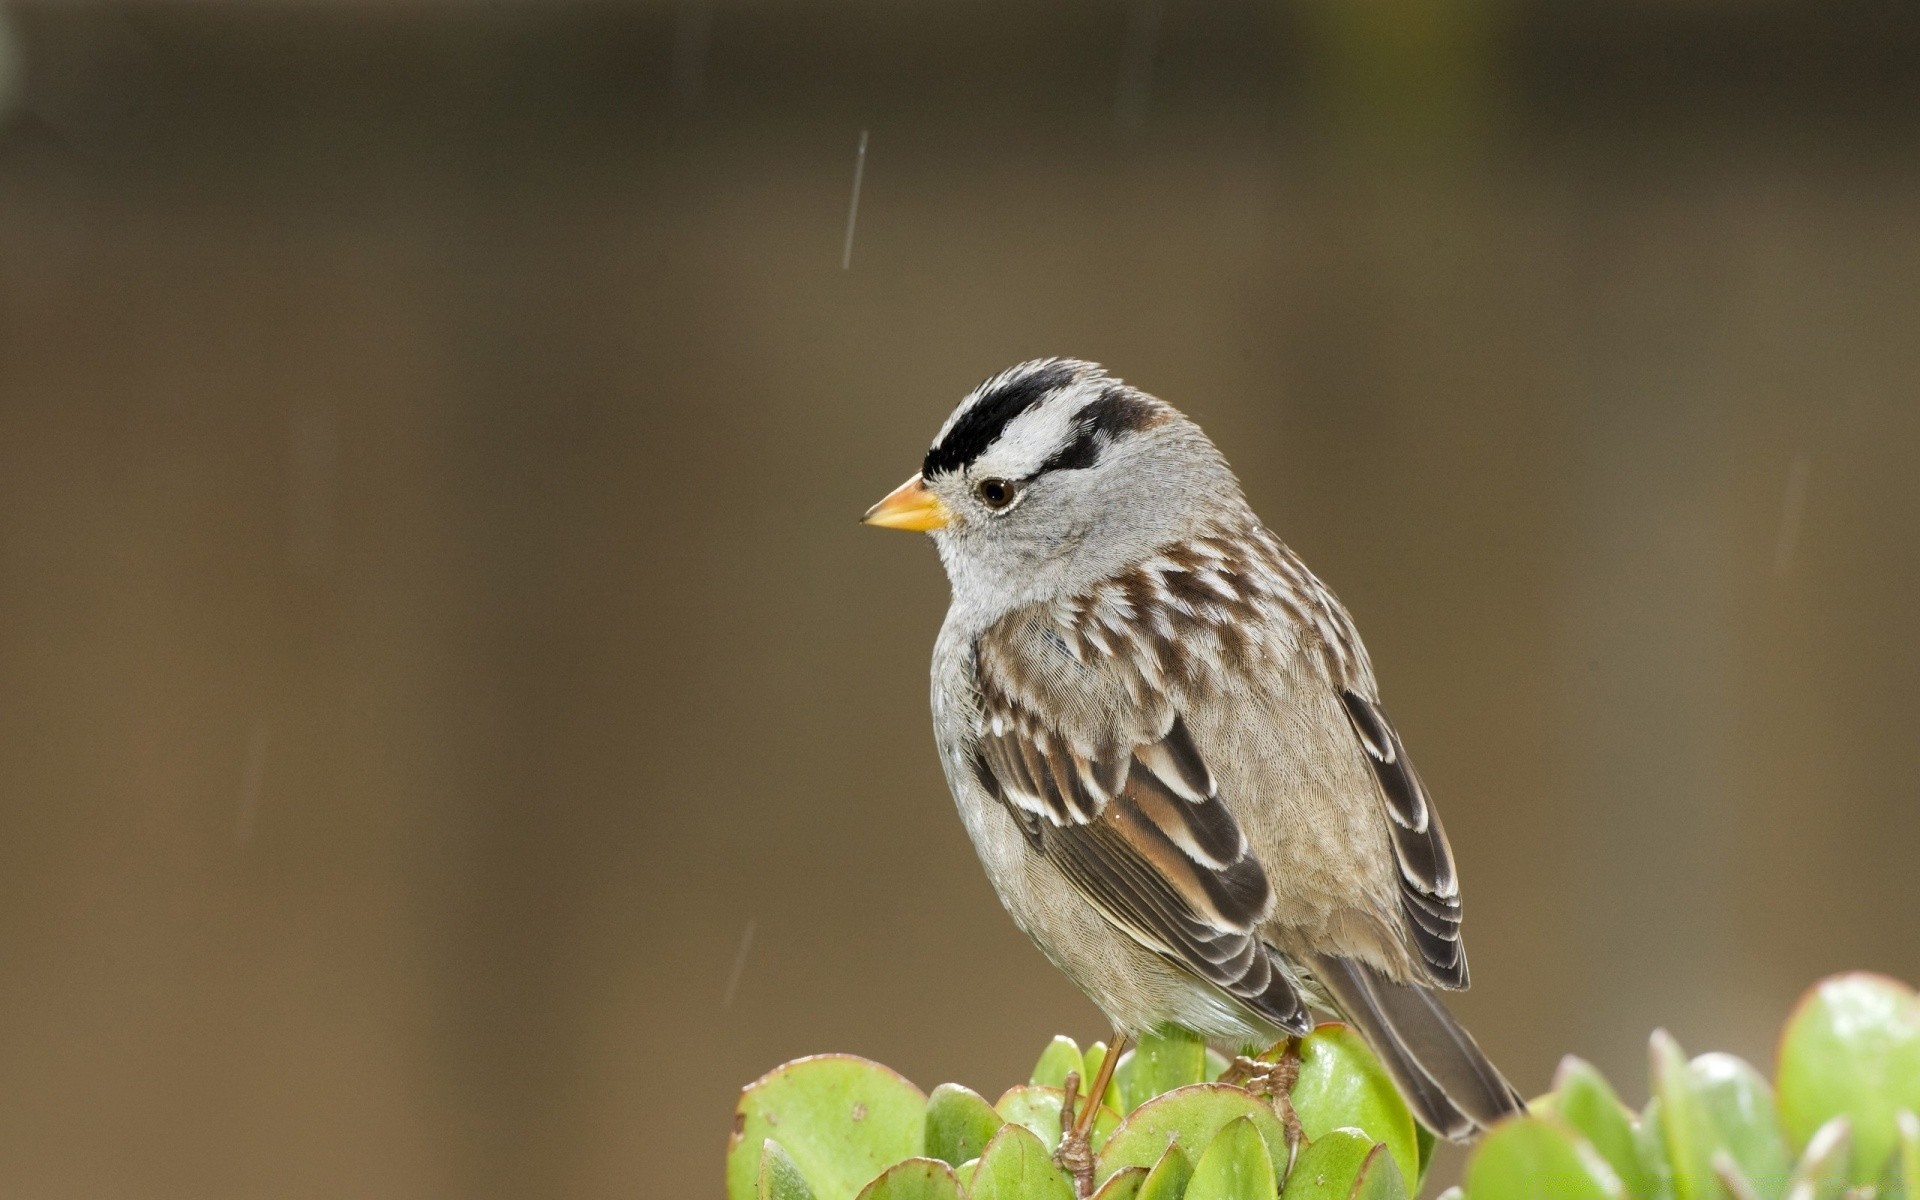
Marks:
<point>453,733</point>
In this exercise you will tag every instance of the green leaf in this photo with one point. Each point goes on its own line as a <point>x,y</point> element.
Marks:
<point>1061,1057</point>
<point>1647,1136</point>
<point>841,1118</point>
<point>1116,1097</point>
<point>1235,1166</point>
<point>1529,1157</point>
<point>1379,1178</point>
<point>780,1177</point>
<point>1168,1179</point>
<point>1686,1130</point>
<point>914,1179</point>
<point>1190,1118</point>
<point>1122,1185</point>
<point>1017,1166</point>
<point>1852,1047</point>
<point>1038,1110</point>
<point>1330,1166</point>
<point>1740,1105</point>
<point>1821,1173</point>
<point>1906,1161</point>
<point>959,1123</point>
<point>1170,1057</point>
<point>1343,1086</point>
<point>1585,1101</point>
<point>1425,1142</point>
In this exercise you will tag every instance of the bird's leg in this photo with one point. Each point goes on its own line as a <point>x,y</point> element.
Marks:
<point>1280,1083</point>
<point>1101,1078</point>
<point>1075,1155</point>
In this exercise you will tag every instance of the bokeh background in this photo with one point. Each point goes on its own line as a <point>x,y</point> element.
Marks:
<point>453,732</point>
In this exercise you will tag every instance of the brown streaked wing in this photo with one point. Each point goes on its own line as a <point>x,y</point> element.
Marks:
<point>1146,839</point>
<point>1429,888</point>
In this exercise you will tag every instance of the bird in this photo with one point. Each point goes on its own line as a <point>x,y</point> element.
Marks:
<point>1166,742</point>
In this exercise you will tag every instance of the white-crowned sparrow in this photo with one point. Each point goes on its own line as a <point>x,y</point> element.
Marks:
<point>1164,737</point>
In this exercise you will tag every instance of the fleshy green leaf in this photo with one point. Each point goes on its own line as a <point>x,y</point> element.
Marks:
<point>780,1177</point>
<point>1425,1143</point>
<point>1906,1160</point>
<point>1537,1156</point>
<point>1686,1130</point>
<point>1038,1110</point>
<point>959,1124</point>
<point>1235,1166</point>
<point>1061,1056</point>
<point>914,1179</point>
<point>1343,1086</point>
<point>1190,1118</point>
<point>1733,1181</point>
<point>1852,1047</point>
<point>1167,1058</point>
<point>1122,1185</point>
<point>1168,1179</point>
<point>1330,1166</point>
<point>1740,1105</point>
<point>1647,1136</point>
<point>1379,1178</point>
<point>841,1118</point>
<point>1587,1102</point>
<point>1017,1166</point>
<point>1821,1173</point>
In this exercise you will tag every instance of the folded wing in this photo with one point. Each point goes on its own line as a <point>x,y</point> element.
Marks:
<point>1429,889</point>
<point>1141,832</point>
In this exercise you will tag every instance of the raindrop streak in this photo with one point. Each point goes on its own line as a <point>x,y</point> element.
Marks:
<point>853,209</point>
<point>739,965</point>
<point>1791,508</point>
<point>253,777</point>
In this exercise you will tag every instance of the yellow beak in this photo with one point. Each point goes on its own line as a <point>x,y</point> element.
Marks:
<point>909,506</point>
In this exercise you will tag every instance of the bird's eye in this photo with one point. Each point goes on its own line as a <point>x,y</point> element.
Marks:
<point>995,493</point>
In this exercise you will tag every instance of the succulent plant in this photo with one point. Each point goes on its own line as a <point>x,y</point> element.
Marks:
<point>1318,1119</point>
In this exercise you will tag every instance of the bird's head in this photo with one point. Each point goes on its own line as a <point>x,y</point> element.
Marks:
<point>1052,475</point>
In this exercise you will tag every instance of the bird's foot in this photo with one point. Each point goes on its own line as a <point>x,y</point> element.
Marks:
<point>1075,1155</point>
<point>1249,1074</point>
<point>1272,1081</point>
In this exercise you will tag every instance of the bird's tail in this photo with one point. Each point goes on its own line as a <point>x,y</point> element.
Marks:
<point>1446,1080</point>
